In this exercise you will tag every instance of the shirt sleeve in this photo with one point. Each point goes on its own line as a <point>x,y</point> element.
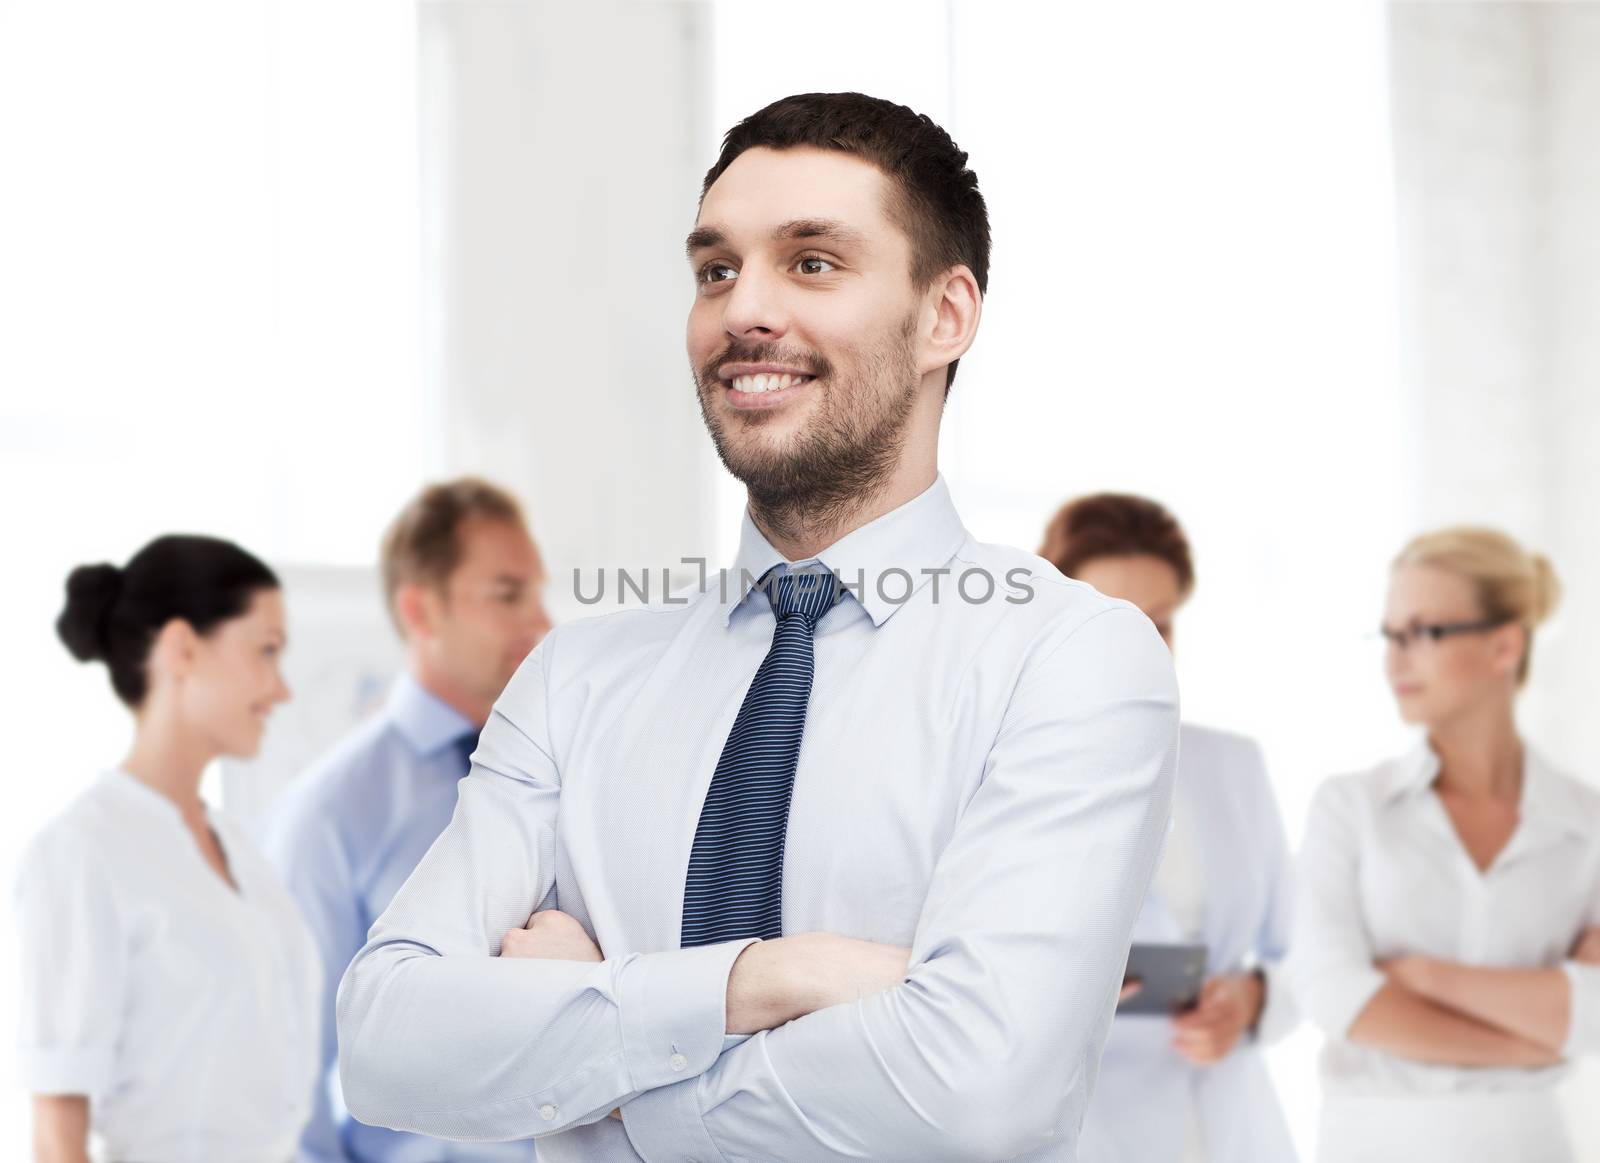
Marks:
<point>993,1040</point>
<point>1279,1013</point>
<point>304,846</point>
<point>439,1035</point>
<point>1583,1026</point>
<point>1331,962</point>
<point>74,967</point>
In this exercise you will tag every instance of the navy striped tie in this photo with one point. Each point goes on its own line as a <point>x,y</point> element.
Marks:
<point>735,883</point>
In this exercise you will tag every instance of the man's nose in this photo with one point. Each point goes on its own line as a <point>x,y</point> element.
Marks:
<point>754,308</point>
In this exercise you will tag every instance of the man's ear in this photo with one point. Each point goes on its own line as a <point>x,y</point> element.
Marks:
<point>951,311</point>
<point>414,609</point>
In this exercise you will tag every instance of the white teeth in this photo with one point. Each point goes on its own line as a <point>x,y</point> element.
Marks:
<point>766,382</point>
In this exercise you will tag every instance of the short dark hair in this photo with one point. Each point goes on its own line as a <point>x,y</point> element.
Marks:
<point>423,542</point>
<point>936,199</point>
<point>1116,525</point>
<point>113,614</point>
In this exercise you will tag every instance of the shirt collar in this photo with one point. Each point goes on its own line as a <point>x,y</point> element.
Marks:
<point>1549,798</point>
<point>424,720</point>
<point>1547,801</point>
<point>1411,774</point>
<point>922,534</point>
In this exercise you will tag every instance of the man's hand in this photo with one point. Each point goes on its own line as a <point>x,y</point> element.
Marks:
<point>1229,1005</point>
<point>777,981</point>
<point>1130,986</point>
<point>551,935</point>
<point>1587,947</point>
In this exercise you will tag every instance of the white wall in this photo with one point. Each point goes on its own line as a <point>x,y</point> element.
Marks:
<point>562,154</point>
<point>1498,199</point>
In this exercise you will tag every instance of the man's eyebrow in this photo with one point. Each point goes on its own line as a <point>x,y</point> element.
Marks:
<point>704,238</point>
<point>828,229</point>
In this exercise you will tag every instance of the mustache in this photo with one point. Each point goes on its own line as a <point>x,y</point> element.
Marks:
<point>740,352</point>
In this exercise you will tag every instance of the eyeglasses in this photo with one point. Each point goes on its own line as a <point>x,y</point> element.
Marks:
<point>1431,632</point>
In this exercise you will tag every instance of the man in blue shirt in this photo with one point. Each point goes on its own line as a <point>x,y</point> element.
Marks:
<point>463,581</point>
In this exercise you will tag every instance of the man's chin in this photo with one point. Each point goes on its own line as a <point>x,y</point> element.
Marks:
<point>761,467</point>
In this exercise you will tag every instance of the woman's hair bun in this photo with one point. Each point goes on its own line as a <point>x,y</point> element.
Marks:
<point>1546,588</point>
<point>91,592</point>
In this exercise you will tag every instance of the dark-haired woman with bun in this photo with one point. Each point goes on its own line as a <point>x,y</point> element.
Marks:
<point>1191,1089</point>
<point>169,987</point>
<point>1446,943</point>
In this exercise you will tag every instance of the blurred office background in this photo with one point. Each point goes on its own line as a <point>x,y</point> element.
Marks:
<point>1315,275</point>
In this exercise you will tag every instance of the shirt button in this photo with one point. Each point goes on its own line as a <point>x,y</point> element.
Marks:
<point>677,1062</point>
<point>547,1112</point>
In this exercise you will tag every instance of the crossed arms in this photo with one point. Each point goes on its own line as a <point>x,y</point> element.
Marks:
<point>1423,1008</point>
<point>978,1048</point>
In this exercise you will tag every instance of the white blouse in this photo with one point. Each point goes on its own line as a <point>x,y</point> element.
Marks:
<point>1383,873</point>
<point>1223,880</point>
<point>185,1011</point>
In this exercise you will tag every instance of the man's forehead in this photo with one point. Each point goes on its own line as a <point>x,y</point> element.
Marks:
<point>766,193</point>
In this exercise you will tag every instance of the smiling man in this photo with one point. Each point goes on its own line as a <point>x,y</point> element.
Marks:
<point>840,858</point>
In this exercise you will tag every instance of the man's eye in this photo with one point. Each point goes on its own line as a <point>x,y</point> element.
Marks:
<point>717,272</point>
<point>812,265</point>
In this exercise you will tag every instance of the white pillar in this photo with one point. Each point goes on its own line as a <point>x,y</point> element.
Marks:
<point>1498,216</point>
<point>563,146</point>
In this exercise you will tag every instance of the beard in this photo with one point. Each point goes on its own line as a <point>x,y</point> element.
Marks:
<point>849,447</point>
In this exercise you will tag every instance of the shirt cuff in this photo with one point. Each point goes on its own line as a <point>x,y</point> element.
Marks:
<point>664,1126</point>
<point>1335,1002</point>
<point>82,1070</point>
<point>675,1011</point>
<point>1583,1024</point>
<point>1279,1015</point>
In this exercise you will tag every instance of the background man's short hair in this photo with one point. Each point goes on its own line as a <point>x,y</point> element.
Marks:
<point>423,543</point>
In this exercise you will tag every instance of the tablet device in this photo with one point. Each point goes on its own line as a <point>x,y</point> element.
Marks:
<point>1169,978</point>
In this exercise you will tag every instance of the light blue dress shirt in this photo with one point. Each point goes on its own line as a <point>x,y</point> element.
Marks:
<point>344,837</point>
<point>984,781</point>
<point>1230,817</point>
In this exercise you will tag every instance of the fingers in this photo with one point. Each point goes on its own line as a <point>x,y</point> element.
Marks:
<point>1130,986</point>
<point>550,919</point>
<point>1218,1007</point>
<point>1200,1053</point>
<point>553,936</point>
<point>1205,1044</point>
<point>1203,1018</point>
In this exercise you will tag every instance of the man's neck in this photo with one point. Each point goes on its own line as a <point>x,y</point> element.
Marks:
<point>473,710</point>
<point>800,535</point>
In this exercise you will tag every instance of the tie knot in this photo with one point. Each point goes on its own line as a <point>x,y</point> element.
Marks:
<point>807,595</point>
